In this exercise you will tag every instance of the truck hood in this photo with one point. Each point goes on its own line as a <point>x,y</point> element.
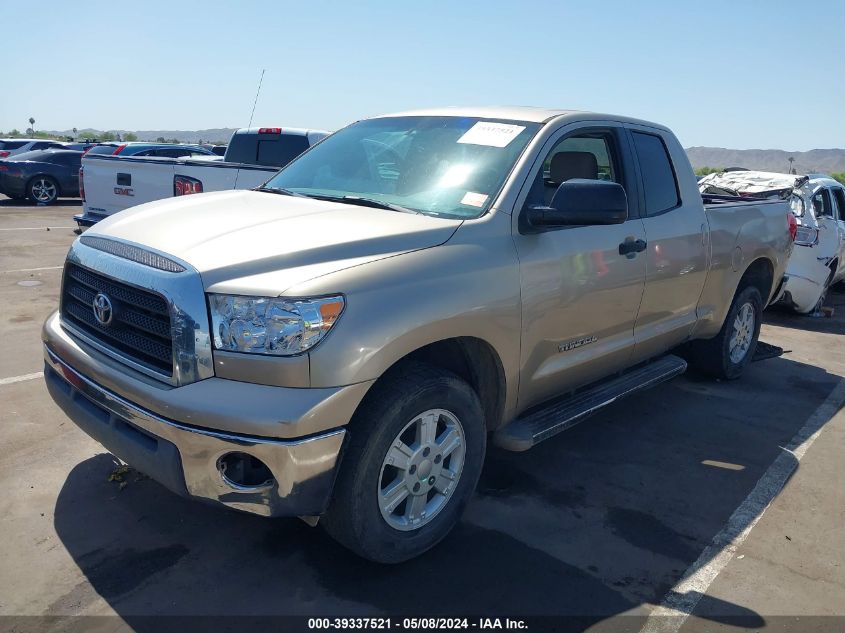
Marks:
<point>251,242</point>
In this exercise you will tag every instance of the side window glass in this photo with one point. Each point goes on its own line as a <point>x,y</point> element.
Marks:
<point>659,182</point>
<point>839,199</point>
<point>589,155</point>
<point>822,204</point>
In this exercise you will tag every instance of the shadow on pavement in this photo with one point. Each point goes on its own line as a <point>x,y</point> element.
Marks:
<point>595,522</point>
<point>784,317</point>
<point>61,202</point>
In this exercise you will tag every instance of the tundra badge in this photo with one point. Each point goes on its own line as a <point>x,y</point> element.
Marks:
<point>579,342</point>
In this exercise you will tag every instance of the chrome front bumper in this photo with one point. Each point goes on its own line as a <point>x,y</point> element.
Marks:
<point>185,458</point>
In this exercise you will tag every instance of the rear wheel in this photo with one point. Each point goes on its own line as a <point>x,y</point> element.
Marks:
<point>43,190</point>
<point>726,355</point>
<point>414,458</point>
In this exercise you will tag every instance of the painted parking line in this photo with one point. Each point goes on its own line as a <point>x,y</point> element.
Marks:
<point>38,228</point>
<point>31,270</point>
<point>682,599</point>
<point>14,379</point>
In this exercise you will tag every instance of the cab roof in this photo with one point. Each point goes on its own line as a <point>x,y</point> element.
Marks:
<point>518,113</point>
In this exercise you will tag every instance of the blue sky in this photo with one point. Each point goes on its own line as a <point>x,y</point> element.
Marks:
<point>739,74</point>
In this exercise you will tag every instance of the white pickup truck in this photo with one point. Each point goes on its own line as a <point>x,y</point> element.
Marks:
<point>108,184</point>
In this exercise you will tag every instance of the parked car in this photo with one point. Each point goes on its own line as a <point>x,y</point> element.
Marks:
<point>112,184</point>
<point>220,150</point>
<point>13,146</point>
<point>338,344</point>
<point>818,202</point>
<point>43,176</point>
<point>138,148</point>
<point>82,146</point>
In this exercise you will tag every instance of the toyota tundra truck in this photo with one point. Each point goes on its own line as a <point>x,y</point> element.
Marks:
<point>341,343</point>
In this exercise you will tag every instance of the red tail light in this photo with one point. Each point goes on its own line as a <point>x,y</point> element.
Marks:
<point>185,186</point>
<point>793,225</point>
<point>118,149</point>
<point>4,154</point>
<point>269,130</point>
<point>81,184</point>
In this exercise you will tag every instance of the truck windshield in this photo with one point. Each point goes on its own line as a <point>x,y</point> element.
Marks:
<point>443,166</point>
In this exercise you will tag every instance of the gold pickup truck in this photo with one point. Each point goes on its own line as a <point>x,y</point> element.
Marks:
<point>341,343</point>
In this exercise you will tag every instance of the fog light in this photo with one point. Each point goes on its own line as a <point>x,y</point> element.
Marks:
<point>244,471</point>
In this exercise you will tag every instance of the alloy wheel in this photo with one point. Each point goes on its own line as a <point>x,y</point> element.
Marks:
<point>421,469</point>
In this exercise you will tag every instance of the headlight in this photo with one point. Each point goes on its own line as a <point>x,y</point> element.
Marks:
<point>807,236</point>
<point>796,203</point>
<point>271,325</point>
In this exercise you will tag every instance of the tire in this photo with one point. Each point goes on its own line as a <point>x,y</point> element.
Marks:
<point>359,516</point>
<point>714,356</point>
<point>42,190</point>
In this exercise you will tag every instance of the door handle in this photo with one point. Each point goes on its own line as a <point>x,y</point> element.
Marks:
<point>632,247</point>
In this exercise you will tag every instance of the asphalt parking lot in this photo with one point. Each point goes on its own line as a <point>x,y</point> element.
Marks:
<point>653,507</point>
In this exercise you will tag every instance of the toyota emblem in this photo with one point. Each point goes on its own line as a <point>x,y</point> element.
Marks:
<point>102,309</point>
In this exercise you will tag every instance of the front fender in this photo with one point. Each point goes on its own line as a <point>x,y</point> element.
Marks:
<point>468,287</point>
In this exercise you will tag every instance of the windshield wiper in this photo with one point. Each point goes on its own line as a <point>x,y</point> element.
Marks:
<point>368,202</point>
<point>281,192</point>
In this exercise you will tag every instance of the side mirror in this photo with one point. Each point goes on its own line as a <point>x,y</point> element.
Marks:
<point>579,202</point>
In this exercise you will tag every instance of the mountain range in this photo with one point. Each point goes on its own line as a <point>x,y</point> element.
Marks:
<point>815,160</point>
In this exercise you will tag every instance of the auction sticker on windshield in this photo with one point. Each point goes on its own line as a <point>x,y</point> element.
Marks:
<point>474,199</point>
<point>492,134</point>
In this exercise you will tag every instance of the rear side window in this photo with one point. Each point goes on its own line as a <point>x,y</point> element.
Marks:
<point>822,204</point>
<point>102,149</point>
<point>279,153</point>
<point>171,152</point>
<point>253,149</point>
<point>659,182</point>
<point>12,144</point>
<point>839,197</point>
<point>72,160</point>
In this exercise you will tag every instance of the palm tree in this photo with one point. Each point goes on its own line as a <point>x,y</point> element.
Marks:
<point>32,123</point>
<point>791,160</point>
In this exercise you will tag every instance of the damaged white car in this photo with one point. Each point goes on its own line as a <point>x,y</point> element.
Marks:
<point>818,202</point>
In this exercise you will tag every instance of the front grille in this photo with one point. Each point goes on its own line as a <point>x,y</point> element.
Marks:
<point>140,324</point>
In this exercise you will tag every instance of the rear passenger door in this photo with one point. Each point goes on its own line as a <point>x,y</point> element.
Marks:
<point>676,257</point>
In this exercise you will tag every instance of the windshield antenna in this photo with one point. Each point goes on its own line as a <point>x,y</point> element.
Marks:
<point>254,103</point>
<point>257,92</point>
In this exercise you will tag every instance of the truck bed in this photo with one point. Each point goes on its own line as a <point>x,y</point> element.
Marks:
<point>114,183</point>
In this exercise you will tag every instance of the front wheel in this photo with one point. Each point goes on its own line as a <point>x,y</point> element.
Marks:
<point>416,450</point>
<point>727,355</point>
<point>43,190</point>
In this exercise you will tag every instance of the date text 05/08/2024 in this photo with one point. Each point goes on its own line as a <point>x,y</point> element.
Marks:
<point>390,624</point>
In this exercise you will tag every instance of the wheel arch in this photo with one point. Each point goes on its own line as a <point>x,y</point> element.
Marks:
<point>760,273</point>
<point>470,358</point>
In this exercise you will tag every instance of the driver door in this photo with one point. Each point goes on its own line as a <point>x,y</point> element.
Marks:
<point>580,296</point>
